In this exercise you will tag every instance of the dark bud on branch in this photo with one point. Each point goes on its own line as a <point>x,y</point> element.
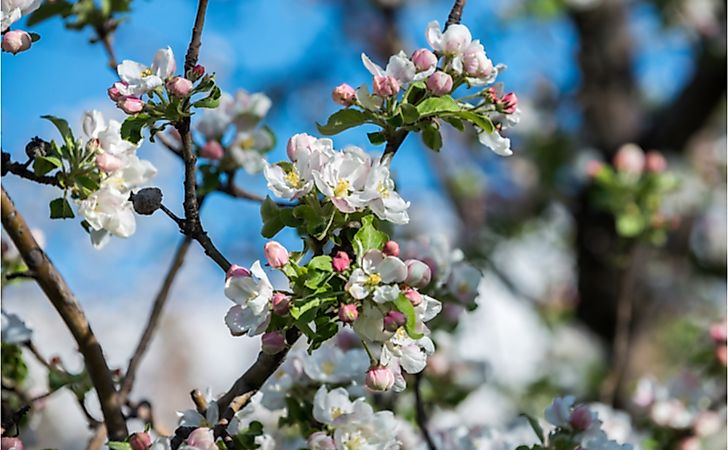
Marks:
<point>37,147</point>
<point>147,200</point>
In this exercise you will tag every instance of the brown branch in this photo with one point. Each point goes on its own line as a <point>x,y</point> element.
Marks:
<point>193,49</point>
<point>58,292</point>
<point>153,320</point>
<point>456,13</point>
<point>21,170</point>
<point>104,35</point>
<point>421,415</point>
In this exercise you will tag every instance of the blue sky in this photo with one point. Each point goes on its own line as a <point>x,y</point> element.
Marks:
<point>260,45</point>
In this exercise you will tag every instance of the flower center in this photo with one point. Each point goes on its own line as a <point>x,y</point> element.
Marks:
<point>293,179</point>
<point>383,191</point>
<point>374,279</point>
<point>146,73</point>
<point>342,188</point>
<point>328,367</point>
<point>336,413</point>
<point>247,143</point>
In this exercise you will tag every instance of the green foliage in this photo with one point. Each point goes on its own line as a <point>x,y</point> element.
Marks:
<point>61,209</point>
<point>368,237</point>
<point>404,306</point>
<point>343,120</point>
<point>14,368</point>
<point>79,383</point>
<point>119,445</point>
<point>245,440</point>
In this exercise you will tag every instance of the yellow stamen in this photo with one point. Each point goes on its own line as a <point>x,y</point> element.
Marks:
<point>342,188</point>
<point>247,143</point>
<point>374,279</point>
<point>383,191</point>
<point>293,179</point>
<point>146,73</point>
<point>328,367</point>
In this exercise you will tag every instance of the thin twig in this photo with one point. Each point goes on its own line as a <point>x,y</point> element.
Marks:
<point>153,320</point>
<point>23,274</point>
<point>105,37</point>
<point>456,13</point>
<point>21,170</point>
<point>60,295</point>
<point>34,350</point>
<point>421,414</point>
<point>193,49</point>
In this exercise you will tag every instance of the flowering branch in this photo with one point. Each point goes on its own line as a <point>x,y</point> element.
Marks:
<point>456,13</point>
<point>58,292</point>
<point>21,170</point>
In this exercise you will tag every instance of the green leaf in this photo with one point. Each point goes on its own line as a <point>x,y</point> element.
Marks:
<point>535,426</point>
<point>49,9</point>
<point>479,120</point>
<point>410,114</point>
<point>60,209</point>
<point>322,262</point>
<point>343,120</point>
<point>63,128</point>
<point>211,101</point>
<point>376,138</point>
<point>368,237</point>
<point>298,311</point>
<point>269,209</point>
<point>34,37</point>
<point>117,445</point>
<point>630,224</point>
<point>131,129</point>
<point>44,164</point>
<point>437,105</point>
<point>431,137</point>
<point>455,122</point>
<point>404,306</point>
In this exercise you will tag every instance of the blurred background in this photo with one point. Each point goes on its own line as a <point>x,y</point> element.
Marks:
<point>591,75</point>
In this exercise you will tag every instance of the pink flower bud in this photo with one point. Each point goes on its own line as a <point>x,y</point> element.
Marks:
<point>655,162</point>
<point>341,261</point>
<point>689,443</point>
<point>114,93</point>
<point>280,302</point>
<point>581,418</point>
<point>385,86</point>
<point>276,254</point>
<point>106,162</point>
<point>16,41</point>
<point>413,296</point>
<point>509,102</point>
<point>721,354</point>
<point>273,342</point>
<point>197,72</point>
<point>130,105</point>
<point>237,271</point>
<point>379,379</point>
<point>179,86</point>
<point>439,83</point>
<point>475,62</point>
<point>393,320</point>
<point>202,439</point>
<point>391,248</point>
<point>212,150</point>
<point>491,95</point>
<point>719,333</point>
<point>418,273</point>
<point>630,159</point>
<point>348,313</point>
<point>300,142</point>
<point>11,443</point>
<point>321,441</point>
<point>593,167</point>
<point>140,441</point>
<point>344,94</point>
<point>424,59</point>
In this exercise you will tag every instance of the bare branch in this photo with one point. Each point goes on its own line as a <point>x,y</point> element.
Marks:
<point>21,170</point>
<point>421,415</point>
<point>456,13</point>
<point>58,292</point>
<point>193,49</point>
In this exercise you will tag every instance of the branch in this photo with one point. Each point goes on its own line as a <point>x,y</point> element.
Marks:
<point>58,292</point>
<point>393,144</point>
<point>21,170</point>
<point>153,320</point>
<point>421,415</point>
<point>104,35</point>
<point>193,49</point>
<point>456,13</point>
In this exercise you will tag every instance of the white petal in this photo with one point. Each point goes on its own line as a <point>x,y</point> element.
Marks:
<point>374,69</point>
<point>496,142</point>
<point>164,65</point>
<point>434,35</point>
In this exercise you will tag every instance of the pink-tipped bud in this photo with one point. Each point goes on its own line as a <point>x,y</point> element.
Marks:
<point>491,95</point>
<point>630,159</point>
<point>212,150</point>
<point>379,379</point>
<point>593,167</point>
<point>16,41</point>
<point>413,296</point>
<point>393,320</point>
<point>418,273</point>
<point>391,248</point>
<point>179,86</point>
<point>201,438</point>
<point>341,261</point>
<point>385,86</point>
<point>281,303</point>
<point>581,418</point>
<point>719,333</point>
<point>721,354</point>
<point>114,93</point>
<point>197,72</point>
<point>140,441</point>
<point>12,443</point>
<point>273,342</point>
<point>344,95</point>
<point>130,105</point>
<point>299,143</point>
<point>348,313</point>
<point>424,59</point>
<point>106,162</point>
<point>509,103</point>
<point>689,443</point>
<point>655,162</point>
<point>237,271</point>
<point>439,83</point>
<point>276,254</point>
<point>321,441</point>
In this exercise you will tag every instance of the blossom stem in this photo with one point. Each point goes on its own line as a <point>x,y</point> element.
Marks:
<point>421,414</point>
<point>456,13</point>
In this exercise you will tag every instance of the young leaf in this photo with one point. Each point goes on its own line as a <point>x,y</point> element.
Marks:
<point>60,209</point>
<point>437,105</point>
<point>44,164</point>
<point>211,101</point>
<point>342,120</point>
<point>410,114</point>
<point>404,306</point>
<point>131,129</point>
<point>368,237</point>
<point>481,121</point>
<point>118,445</point>
<point>63,128</point>
<point>322,262</point>
<point>431,137</point>
<point>536,426</point>
<point>376,138</point>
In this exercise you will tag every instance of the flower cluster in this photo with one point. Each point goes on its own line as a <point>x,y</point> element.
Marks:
<point>350,179</point>
<point>238,116</point>
<point>16,41</point>
<point>426,80</point>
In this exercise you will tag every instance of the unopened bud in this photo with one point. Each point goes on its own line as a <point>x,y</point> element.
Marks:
<point>212,150</point>
<point>379,379</point>
<point>280,303</point>
<point>630,159</point>
<point>237,271</point>
<point>655,162</point>
<point>276,254</point>
<point>341,261</point>
<point>273,342</point>
<point>391,248</point>
<point>424,59</point>
<point>147,200</point>
<point>130,105</point>
<point>297,143</point>
<point>509,103</point>
<point>418,273</point>
<point>413,296</point>
<point>348,313</point>
<point>385,85</point>
<point>179,87</point>
<point>581,418</point>
<point>344,95</point>
<point>16,41</point>
<point>393,320</point>
<point>439,83</point>
<point>140,441</point>
<point>11,443</point>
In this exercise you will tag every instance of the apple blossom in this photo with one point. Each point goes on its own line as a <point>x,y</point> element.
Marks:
<point>379,379</point>
<point>424,60</point>
<point>343,177</point>
<point>106,162</point>
<point>439,83</point>
<point>493,140</point>
<point>331,364</point>
<point>13,10</point>
<point>381,197</point>
<point>280,303</point>
<point>300,145</point>
<point>399,72</point>
<point>348,313</point>
<point>276,254</point>
<point>108,211</point>
<point>321,441</point>
<point>581,418</point>
<point>391,248</point>
<point>509,103</point>
<point>418,273</point>
<point>328,406</point>
<point>386,86</point>
<point>452,43</point>
<point>393,320</point>
<point>140,79</point>
<point>130,105</point>
<point>179,86</point>
<point>16,41</point>
<point>140,441</point>
<point>212,150</point>
<point>247,108</point>
<point>655,162</point>
<point>251,294</point>
<point>341,261</point>
<point>475,62</point>
<point>344,95</point>
<point>375,273</point>
<point>11,443</point>
<point>413,296</point>
<point>367,100</point>
<point>198,71</point>
<point>273,342</point>
<point>200,439</point>
<point>630,159</point>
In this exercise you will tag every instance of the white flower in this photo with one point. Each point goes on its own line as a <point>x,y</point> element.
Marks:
<point>330,406</point>
<point>108,135</point>
<point>403,351</point>
<point>293,183</point>
<point>399,67</point>
<point>330,364</point>
<point>192,417</point>
<point>108,211</point>
<point>14,330</point>
<point>13,10</point>
<point>428,309</point>
<point>494,141</point>
<point>252,295</point>
<point>275,390</point>
<point>381,197</point>
<point>559,411</point>
<point>364,429</point>
<point>247,109</point>
<point>368,101</point>
<point>343,178</point>
<point>247,148</point>
<point>464,281</point>
<point>452,43</point>
<point>376,269</point>
<point>139,79</point>
<point>214,122</point>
